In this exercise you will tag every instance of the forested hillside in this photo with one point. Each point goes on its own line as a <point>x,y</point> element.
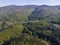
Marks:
<point>30,25</point>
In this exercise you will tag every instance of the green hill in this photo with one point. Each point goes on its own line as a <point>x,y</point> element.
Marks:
<point>44,12</point>
<point>30,25</point>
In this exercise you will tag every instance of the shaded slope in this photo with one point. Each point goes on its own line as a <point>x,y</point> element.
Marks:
<point>50,13</point>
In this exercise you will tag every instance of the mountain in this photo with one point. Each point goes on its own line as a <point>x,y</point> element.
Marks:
<point>12,10</point>
<point>45,12</point>
<point>12,14</point>
<point>30,25</point>
<point>30,12</point>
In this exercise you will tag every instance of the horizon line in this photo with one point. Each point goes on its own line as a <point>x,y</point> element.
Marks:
<point>27,5</point>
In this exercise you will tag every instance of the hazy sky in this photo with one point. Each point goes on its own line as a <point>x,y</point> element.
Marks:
<point>29,2</point>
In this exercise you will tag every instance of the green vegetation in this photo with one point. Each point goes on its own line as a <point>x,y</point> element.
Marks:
<point>30,25</point>
<point>11,32</point>
<point>34,33</point>
<point>26,40</point>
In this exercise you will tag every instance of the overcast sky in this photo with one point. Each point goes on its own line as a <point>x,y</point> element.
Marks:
<point>29,2</point>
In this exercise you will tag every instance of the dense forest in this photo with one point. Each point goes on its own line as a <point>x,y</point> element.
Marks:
<point>30,25</point>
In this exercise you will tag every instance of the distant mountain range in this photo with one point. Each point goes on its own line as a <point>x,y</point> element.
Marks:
<point>45,12</point>
<point>13,8</point>
<point>31,12</point>
<point>14,12</point>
